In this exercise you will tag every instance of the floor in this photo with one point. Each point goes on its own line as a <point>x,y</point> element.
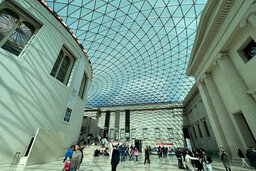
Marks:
<point>91,163</point>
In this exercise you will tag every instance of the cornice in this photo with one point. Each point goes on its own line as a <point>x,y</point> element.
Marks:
<point>197,55</point>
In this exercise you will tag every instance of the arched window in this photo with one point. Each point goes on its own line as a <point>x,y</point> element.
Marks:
<point>15,32</point>
<point>63,66</point>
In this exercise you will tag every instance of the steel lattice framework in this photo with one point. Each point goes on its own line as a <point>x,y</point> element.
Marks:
<point>139,49</point>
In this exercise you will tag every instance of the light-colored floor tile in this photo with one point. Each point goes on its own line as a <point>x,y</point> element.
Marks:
<point>91,163</point>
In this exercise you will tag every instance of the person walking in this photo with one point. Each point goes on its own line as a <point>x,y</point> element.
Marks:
<point>68,156</point>
<point>76,159</point>
<point>206,161</point>
<point>147,151</point>
<point>251,155</point>
<point>224,157</point>
<point>188,159</point>
<point>179,157</point>
<point>241,155</point>
<point>115,158</point>
<point>132,154</point>
<point>136,153</point>
<point>122,153</point>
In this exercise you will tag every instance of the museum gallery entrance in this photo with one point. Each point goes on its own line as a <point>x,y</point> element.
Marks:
<point>138,145</point>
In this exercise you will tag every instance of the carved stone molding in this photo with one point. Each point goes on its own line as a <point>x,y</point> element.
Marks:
<point>225,8</point>
<point>249,17</point>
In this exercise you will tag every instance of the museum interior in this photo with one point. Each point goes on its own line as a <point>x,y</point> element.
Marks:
<point>135,74</point>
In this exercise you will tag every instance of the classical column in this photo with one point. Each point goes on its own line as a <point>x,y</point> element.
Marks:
<point>226,121</point>
<point>239,89</point>
<point>214,120</point>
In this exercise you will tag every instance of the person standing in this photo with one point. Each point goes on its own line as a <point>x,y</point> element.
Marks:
<point>170,151</point>
<point>147,151</point>
<point>76,159</point>
<point>115,158</point>
<point>136,153</point>
<point>224,157</point>
<point>241,155</point>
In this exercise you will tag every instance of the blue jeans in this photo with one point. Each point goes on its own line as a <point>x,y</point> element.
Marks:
<point>73,169</point>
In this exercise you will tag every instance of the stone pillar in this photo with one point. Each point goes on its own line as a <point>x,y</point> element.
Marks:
<point>214,120</point>
<point>245,101</point>
<point>226,121</point>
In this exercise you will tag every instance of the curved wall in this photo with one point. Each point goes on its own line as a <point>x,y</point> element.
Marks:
<point>30,97</point>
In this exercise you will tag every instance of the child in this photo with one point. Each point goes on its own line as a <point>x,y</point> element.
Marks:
<point>136,153</point>
<point>67,164</point>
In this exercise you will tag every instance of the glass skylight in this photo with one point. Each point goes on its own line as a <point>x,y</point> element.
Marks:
<point>139,49</point>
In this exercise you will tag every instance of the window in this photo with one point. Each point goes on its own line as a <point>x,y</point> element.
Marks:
<point>250,50</point>
<point>199,130</point>
<point>133,133</point>
<point>122,134</point>
<point>170,132</point>
<point>63,66</point>
<point>206,128</point>
<point>157,132</point>
<point>82,87</point>
<point>112,133</point>
<point>194,130</point>
<point>15,29</point>
<point>145,133</point>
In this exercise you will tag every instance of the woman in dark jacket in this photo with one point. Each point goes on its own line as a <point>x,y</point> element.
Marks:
<point>241,155</point>
<point>115,158</point>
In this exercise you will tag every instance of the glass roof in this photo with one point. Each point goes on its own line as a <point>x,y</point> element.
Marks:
<point>139,49</point>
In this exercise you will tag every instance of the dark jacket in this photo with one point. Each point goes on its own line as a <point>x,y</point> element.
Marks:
<point>178,154</point>
<point>240,154</point>
<point>147,152</point>
<point>115,156</point>
<point>251,155</point>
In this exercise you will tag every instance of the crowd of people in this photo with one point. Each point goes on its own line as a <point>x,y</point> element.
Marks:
<point>197,159</point>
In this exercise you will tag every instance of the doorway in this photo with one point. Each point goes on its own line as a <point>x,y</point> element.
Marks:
<point>138,145</point>
<point>245,130</point>
<point>29,146</point>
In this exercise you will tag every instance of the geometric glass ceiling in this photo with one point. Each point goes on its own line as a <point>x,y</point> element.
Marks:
<point>139,49</point>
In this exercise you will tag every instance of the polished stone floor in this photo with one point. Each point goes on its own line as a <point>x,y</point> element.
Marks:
<point>91,163</point>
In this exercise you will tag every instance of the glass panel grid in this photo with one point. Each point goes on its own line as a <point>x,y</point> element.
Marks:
<point>139,49</point>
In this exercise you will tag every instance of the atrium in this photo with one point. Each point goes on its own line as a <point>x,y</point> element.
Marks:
<point>102,74</point>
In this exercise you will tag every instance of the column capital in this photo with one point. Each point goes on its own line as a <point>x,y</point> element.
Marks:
<point>219,56</point>
<point>204,76</point>
<point>251,13</point>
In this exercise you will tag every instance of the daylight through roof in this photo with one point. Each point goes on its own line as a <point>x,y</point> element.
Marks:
<point>139,49</point>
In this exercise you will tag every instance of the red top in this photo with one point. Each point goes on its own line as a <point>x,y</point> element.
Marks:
<point>66,167</point>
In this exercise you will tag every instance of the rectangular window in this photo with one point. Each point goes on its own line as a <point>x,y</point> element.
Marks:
<point>112,133</point>
<point>122,134</point>
<point>170,133</point>
<point>82,87</point>
<point>133,133</point>
<point>157,133</point>
<point>250,50</point>
<point>199,130</point>
<point>63,66</point>
<point>194,130</point>
<point>206,128</point>
<point>145,133</point>
<point>16,28</point>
